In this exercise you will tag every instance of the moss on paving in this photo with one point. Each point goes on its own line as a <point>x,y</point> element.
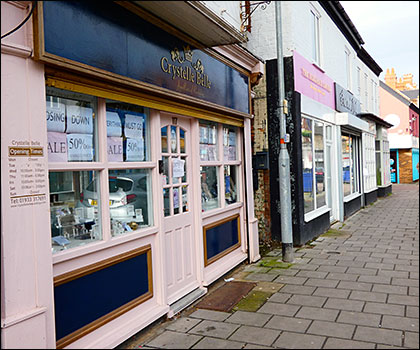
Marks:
<point>253,301</point>
<point>274,262</point>
<point>334,233</point>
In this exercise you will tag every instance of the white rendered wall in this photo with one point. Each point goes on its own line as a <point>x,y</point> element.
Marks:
<point>26,260</point>
<point>230,11</point>
<point>296,35</point>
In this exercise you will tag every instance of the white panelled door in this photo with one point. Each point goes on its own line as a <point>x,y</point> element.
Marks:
<point>178,211</point>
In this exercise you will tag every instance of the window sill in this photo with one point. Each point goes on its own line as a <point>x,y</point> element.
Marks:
<point>317,66</point>
<point>316,213</point>
<point>218,211</point>
<point>95,247</point>
<point>351,197</point>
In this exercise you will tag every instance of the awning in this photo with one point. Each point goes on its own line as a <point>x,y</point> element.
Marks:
<point>350,121</point>
<point>196,20</point>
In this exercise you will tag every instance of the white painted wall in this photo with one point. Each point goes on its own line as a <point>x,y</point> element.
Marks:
<point>230,11</point>
<point>296,35</point>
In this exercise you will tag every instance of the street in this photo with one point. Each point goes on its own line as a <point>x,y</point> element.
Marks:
<point>357,286</point>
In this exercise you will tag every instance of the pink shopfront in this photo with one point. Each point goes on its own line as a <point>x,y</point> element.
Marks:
<point>126,172</point>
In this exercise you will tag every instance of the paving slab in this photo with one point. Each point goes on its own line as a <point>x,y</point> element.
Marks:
<point>255,335</point>
<point>214,343</point>
<point>214,329</point>
<point>174,340</point>
<point>289,340</point>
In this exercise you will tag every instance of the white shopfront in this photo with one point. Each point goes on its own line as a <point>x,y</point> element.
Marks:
<point>122,199</point>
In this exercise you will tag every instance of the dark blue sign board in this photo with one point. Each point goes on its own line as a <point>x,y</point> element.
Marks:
<point>107,36</point>
<point>221,237</point>
<point>86,299</point>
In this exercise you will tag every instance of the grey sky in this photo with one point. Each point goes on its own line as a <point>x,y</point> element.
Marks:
<point>390,30</point>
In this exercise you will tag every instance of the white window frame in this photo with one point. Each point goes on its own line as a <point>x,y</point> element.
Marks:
<point>315,36</point>
<point>347,53</point>
<point>355,166</point>
<point>322,209</point>
<point>220,164</point>
<point>101,165</point>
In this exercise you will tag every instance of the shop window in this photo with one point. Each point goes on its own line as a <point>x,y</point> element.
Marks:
<point>73,223</point>
<point>220,165</point>
<point>209,187</point>
<point>126,132</point>
<point>369,171</point>
<point>77,199</point>
<point>71,127</point>
<point>350,164</point>
<point>313,159</point>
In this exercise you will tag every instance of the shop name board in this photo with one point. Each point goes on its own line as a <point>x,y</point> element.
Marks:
<point>312,82</point>
<point>137,49</point>
<point>345,101</point>
<point>194,73</point>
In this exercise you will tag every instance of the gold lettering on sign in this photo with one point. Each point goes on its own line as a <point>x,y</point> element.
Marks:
<point>315,80</point>
<point>194,73</point>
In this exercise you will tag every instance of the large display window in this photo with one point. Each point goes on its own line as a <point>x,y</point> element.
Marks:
<point>350,151</point>
<point>219,165</point>
<point>313,160</point>
<point>79,128</point>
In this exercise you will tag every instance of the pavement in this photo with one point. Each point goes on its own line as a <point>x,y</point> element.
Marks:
<point>355,287</point>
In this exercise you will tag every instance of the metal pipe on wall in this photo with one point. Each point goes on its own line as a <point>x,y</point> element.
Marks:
<point>284,160</point>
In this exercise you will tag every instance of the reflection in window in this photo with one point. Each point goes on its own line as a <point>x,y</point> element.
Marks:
<point>349,159</point>
<point>209,188</point>
<point>319,165</point>
<point>229,143</point>
<point>127,134</point>
<point>346,151</point>
<point>71,126</point>
<point>130,200</point>
<point>208,141</point>
<point>73,224</point>
<point>231,192</point>
<point>314,189</point>
<point>307,159</point>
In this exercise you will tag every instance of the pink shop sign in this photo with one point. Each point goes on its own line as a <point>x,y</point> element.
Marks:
<point>312,82</point>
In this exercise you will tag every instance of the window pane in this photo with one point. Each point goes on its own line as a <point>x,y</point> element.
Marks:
<point>174,140</point>
<point>208,141</point>
<point>307,160</point>
<point>130,200</point>
<point>209,188</point>
<point>127,132</point>
<point>71,126</point>
<point>74,215</point>
<point>165,170</point>
<point>176,200</point>
<point>182,140</point>
<point>229,143</point>
<point>184,198</point>
<point>319,165</point>
<point>346,157</point>
<point>231,192</point>
<point>164,139</point>
<point>166,202</point>
<point>354,166</point>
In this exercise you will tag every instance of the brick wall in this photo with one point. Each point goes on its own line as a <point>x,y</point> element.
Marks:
<point>405,166</point>
<point>259,144</point>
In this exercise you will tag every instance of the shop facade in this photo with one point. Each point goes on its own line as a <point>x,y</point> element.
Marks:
<point>126,173</point>
<point>326,149</point>
<point>403,135</point>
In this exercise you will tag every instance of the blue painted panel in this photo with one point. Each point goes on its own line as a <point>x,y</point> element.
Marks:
<point>415,159</point>
<point>107,36</point>
<point>85,299</point>
<point>221,237</point>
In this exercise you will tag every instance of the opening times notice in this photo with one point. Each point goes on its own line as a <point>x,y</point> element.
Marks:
<point>27,177</point>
